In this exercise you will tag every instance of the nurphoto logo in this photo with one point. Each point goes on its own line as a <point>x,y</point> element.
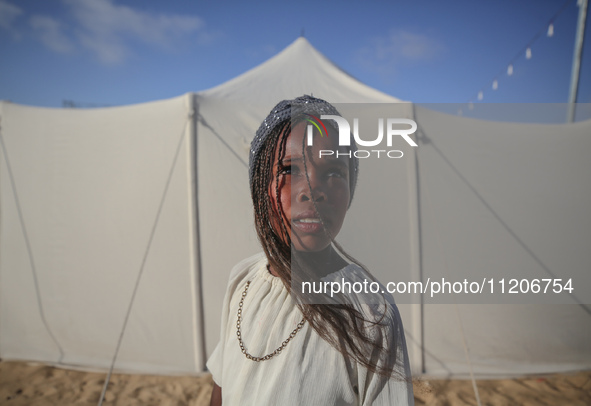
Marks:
<point>391,130</point>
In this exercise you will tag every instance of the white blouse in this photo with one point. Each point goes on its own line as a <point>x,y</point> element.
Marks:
<point>309,371</point>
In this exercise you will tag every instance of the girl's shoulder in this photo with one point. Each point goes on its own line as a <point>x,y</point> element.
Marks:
<point>246,269</point>
<point>252,269</point>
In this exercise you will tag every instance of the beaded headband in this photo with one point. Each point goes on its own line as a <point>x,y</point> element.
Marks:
<point>288,109</point>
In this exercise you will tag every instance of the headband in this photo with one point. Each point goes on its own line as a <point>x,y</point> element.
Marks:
<point>286,110</point>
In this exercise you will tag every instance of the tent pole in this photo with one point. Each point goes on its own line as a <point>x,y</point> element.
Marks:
<point>417,306</point>
<point>199,321</point>
<point>577,55</point>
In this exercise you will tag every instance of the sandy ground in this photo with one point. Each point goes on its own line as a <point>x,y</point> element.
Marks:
<point>31,384</point>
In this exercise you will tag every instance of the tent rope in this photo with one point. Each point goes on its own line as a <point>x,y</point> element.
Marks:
<point>201,119</point>
<point>29,248</point>
<point>446,266</point>
<point>467,353</point>
<point>503,223</point>
<point>142,266</point>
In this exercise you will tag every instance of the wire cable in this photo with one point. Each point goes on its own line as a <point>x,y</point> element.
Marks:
<point>522,51</point>
<point>21,219</point>
<point>141,271</point>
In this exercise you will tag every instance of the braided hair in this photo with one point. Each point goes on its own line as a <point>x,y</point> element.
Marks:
<point>342,325</point>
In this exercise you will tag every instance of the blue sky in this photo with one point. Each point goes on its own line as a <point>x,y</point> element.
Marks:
<point>114,52</point>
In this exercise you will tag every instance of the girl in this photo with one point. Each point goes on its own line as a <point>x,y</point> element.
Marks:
<point>277,347</point>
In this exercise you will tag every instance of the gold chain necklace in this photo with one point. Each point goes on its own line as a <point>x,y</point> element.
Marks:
<point>239,333</point>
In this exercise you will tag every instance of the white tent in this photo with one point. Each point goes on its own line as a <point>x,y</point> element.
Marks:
<point>150,203</point>
<point>506,200</point>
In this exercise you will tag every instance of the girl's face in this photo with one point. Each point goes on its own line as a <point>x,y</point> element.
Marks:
<point>324,181</point>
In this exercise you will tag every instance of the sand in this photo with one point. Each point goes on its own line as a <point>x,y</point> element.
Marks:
<point>33,384</point>
<point>555,390</point>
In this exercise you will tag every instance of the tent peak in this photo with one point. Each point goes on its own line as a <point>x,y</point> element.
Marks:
<point>300,41</point>
<point>297,69</point>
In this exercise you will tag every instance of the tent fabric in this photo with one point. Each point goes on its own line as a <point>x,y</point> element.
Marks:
<point>91,198</point>
<point>79,203</point>
<point>298,69</point>
<point>506,200</point>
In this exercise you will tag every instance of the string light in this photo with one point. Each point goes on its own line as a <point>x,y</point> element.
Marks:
<point>527,50</point>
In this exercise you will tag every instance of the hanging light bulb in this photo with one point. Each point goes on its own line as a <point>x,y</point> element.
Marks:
<point>528,53</point>
<point>480,95</point>
<point>509,70</point>
<point>550,30</point>
<point>495,84</point>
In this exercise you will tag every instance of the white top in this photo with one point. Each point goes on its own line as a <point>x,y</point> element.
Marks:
<point>309,371</point>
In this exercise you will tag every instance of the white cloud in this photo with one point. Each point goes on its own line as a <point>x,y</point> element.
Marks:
<point>107,28</point>
<point>385,54</point>
<point>8,13</point>
<point>407,45</point>
<point>50,32</point>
